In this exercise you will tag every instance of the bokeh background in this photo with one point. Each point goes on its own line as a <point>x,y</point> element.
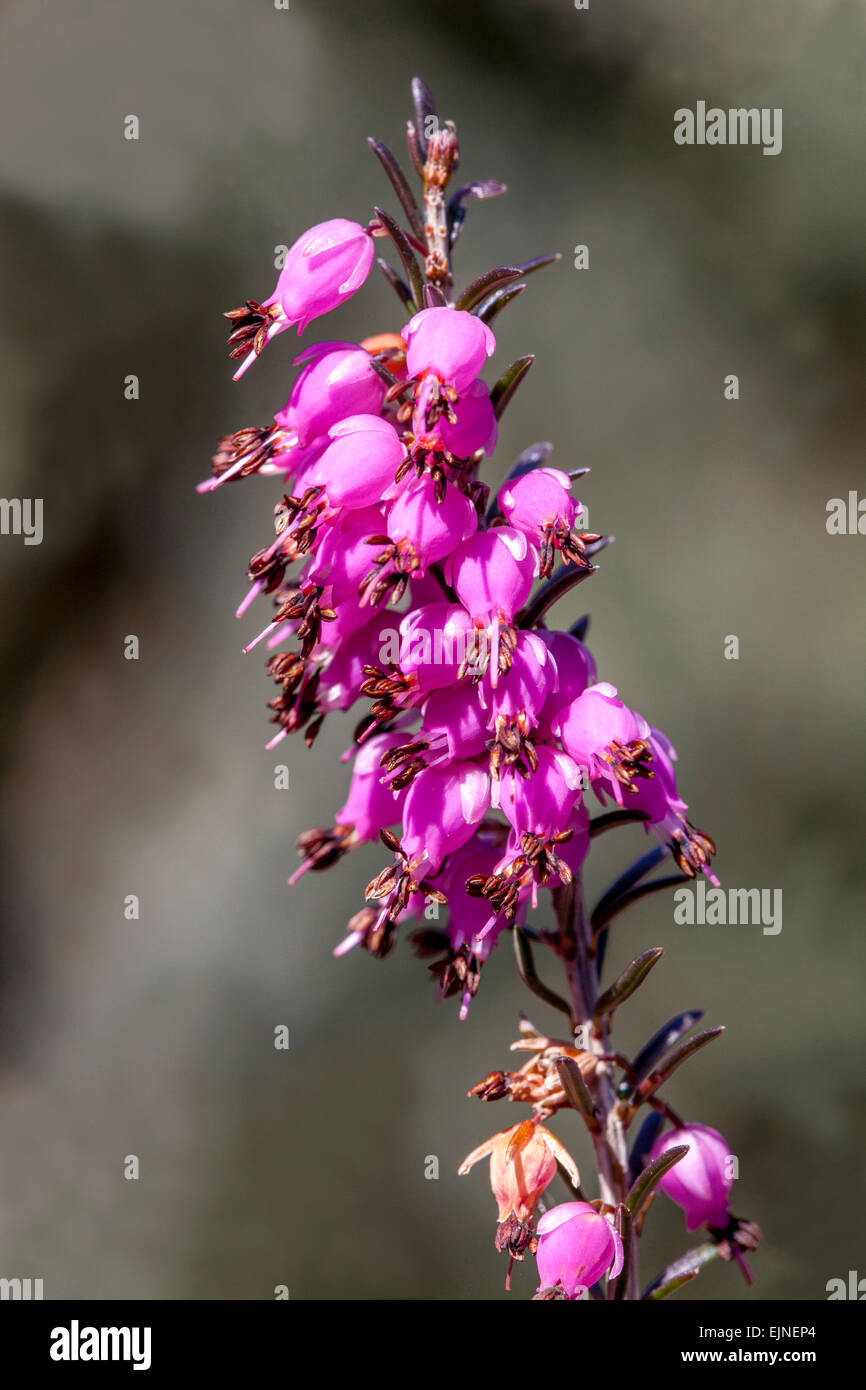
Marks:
<point>155,1038</point>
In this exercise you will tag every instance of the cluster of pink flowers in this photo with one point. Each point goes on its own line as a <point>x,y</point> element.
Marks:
<point>396,579</point>
<point>411,591</point>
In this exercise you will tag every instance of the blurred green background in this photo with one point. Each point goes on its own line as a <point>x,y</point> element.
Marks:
<point>155,1037</point>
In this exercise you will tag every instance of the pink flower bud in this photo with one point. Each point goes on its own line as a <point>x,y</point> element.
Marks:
<point>455,720</point>
<point>324,266</point>
<point>359,464</point>
<point>607,738</point>
<point>658,798</point>
<point>449,342</point>
<point>540,804</point>
<point>492,573</point>
<point>576,1246</point>
<point>537,501</point>
<point>335,381</point>
<point>434,641</point>
<point>429,529</point>
<point>701,1181</point>
<point>443,807</point>
<point>521,696</point>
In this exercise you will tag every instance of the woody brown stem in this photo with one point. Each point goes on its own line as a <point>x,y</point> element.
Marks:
<point>609,1140</point>
<point>442,160</point>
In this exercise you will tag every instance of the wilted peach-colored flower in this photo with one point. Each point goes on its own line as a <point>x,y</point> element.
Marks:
<point>523,1161</point>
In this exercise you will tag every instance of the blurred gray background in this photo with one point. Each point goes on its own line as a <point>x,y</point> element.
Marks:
<point>155,1037</point>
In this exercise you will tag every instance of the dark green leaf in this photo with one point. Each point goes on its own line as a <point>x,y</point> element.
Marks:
<point>399,185</point>
<point>649,1131</point>
<point>630,980</point>
<point>425,107</point>
<point>493,306</point>
<point>456,212</point>
<point>682,1271</point>
<point>526,969</point>
<point>407,255</point>
<point>610,819</point>
<point>566,578</point>
<point>670,1286</point>
<point>632,875</point>
<point>577,1090</point>
<point>491,280</point>
<point>667,1035</point>
<point>508,383</point>
<point>539,262</point>
<point>399,285</point>
<point>676,1059</point>
<point>601,917</point>
<point>651,1175</point>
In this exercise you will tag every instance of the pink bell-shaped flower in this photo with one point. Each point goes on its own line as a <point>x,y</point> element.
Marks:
<point>451,343</point>
<point>336,380</point>
<point>701,1181</point>
<point>576,1246</point>
<point>326,265</point>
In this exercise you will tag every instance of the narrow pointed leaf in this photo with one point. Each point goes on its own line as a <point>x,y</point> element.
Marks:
<point>508,383</point>
<point>610,819</point>
<point>681,1271</point>
<point>651,1175</point>
<point>671,1285</point>
<point>676,1059</point>
<point>407,255</point>
<point>667,1035</point>
<point>526,969</point>
<point>577,1090</point>
<point>403,291</point>
<point>580,628</point>
<point>533,457</point>
<point>630,980</point>
<point>491,280</point>
<point>493,306</point>
<point>646,1137</point>
<point>381,370</point>
<point>539,262</point>
<point>600,918</point>
<point>399,185</point>
<point>636,871</point>
<point>425,106</point>
<point>566,578</point>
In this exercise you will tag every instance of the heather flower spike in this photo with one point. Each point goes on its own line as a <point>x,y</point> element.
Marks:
<point>402,581</point>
